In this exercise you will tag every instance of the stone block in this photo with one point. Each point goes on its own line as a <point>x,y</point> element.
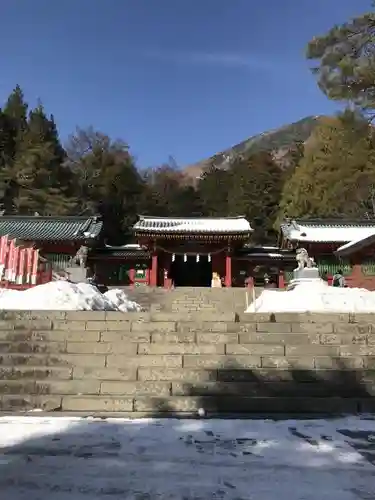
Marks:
<point>102,326</point>
<point>136,337</point>
<point>74,387</point>
<point>352,328</point>
<point>136,388</point>
<point>101,348</point>
<point>40,373</point>
<point>32,324</point>
<point>288,362</point>
<point>362,318</point>
<point>85,360</point>
<point>9,316</point>
<point>345,338</point>
<point>96,404</point>
<point>182,348</point>
<point>119,361</point>
<point>369,362</point>
<point>167,405</point>
<point>32,347</point>
<point>255,349</point>
<point>85,315</point>
<point>217,338</point>
<point>248,405</point>
<point>312,350</point>
<point>357,350</point>
<point>214,362</point>
<point>68,325</point>
<point>174,337</point>
<point>104,373</point>
<point>178,374</point>
<point>70,336</point>
<point>312,328</point>
<point>338,363</point>
<point>161,326</point>
<point>247,327</point>
<point>15,403</point>
<point>26,360</point>
<point>279,338</point>
<point>274,327</point>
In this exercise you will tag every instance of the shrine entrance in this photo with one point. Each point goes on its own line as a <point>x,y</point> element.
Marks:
<point>187,271</point>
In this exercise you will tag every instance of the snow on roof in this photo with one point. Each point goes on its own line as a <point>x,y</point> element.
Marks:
<point>354,245</point>
<point>327,231</point>
<point>193,225</point>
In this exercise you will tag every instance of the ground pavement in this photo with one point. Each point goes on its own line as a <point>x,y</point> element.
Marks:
<point>112,459</point>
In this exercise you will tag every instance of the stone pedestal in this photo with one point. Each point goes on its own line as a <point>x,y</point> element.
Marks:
<point>77,274</point>
<point>306,275</point>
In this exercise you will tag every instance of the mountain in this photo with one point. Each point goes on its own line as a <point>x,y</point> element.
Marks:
<point>277,141</point>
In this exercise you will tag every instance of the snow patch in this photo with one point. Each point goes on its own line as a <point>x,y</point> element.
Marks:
<point>65,296</point>
<point>315,297</point>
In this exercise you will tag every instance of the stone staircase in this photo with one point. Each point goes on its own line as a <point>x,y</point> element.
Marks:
<point>190,299</point>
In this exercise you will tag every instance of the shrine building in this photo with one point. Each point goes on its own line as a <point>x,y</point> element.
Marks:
<point>335,244</point>
<point>186,251</point>
<point>57,237</point>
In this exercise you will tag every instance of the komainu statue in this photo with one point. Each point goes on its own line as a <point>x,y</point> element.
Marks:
<point>304,260</point>
<point>80,257</point>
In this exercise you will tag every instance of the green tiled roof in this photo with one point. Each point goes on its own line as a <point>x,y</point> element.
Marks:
<point>50,228</point>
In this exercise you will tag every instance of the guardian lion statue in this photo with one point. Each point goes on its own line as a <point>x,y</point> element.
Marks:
<point>304,260</point>
<point>80,257</point>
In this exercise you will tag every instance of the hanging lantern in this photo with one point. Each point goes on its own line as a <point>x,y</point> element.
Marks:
<point>197,257</point>
<point>173,257</point>
<point>209,257</point>
<point>185,257</point>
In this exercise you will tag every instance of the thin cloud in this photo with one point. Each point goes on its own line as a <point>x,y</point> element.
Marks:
<point>220,59</point>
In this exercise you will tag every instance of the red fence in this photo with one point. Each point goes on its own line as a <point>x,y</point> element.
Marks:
<point>21,266</point>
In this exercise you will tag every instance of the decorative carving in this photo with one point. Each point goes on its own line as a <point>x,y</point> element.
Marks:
<point>80,257</point>
<point>304,260</point>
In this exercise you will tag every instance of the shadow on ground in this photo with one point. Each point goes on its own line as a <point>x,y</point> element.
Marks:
<point>203,459</point>
<point>234,390</point>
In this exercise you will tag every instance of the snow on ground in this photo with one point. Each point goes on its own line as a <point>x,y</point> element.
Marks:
<point>315,297</point>
<point>81,459</point>
<point>65,296</point>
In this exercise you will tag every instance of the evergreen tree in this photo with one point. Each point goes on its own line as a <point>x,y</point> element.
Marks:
<point>213,189</point>
<point>255,187</point>
<point>345,58</point>
<point>334,177</point>
<point>37,169</point>
<point>13,123</point>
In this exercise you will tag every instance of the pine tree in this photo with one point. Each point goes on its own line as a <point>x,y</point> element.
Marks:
<point>38,170</point>
<point>213,191</point>
<point>336,173</point>
<point>345,62</point>
<point>13,123</point>
<point>255,187</point>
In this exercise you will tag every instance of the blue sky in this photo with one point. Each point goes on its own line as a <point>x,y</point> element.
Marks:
<point>186,78</point>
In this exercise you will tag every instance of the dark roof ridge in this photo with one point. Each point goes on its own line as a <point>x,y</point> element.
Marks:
<point>230,217</point>
<point>51,217</point>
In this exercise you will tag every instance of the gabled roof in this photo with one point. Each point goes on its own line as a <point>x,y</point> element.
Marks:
<point>355,245</point>
<point>327,230</point>
<point>50,228</point>
<point>193,225</point>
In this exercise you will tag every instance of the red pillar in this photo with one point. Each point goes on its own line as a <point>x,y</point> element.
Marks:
<point>154,270</point>
<point>281,279</point>
<point>228,270</point>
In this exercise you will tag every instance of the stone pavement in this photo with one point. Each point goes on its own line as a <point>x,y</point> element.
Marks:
<point>82,459</point>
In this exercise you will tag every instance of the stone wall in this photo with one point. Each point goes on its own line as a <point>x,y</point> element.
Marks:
<point>176,363</point>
